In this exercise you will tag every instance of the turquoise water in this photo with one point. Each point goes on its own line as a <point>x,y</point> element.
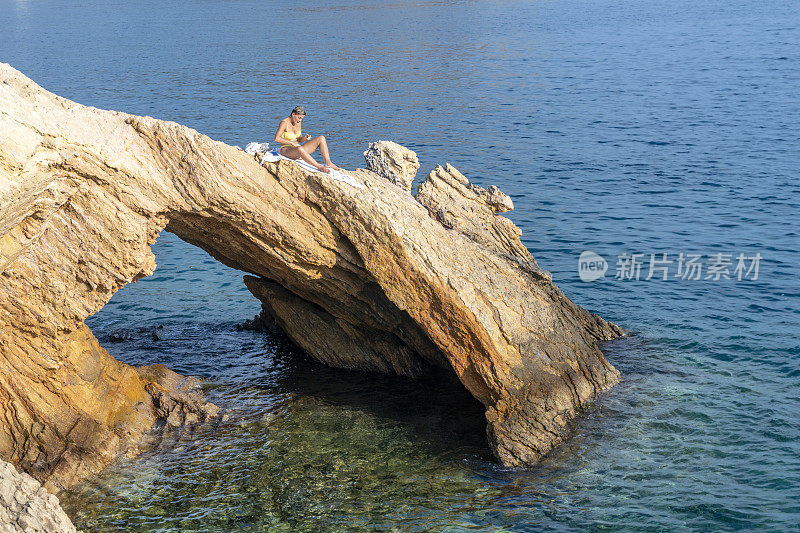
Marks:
<point>624,127</point>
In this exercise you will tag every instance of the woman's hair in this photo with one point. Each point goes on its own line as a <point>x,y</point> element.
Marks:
<point>298,110</point>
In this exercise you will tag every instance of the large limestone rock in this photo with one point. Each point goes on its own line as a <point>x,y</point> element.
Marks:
<point>392,161</point>
<point>27,507</point>
<point>361,278</point>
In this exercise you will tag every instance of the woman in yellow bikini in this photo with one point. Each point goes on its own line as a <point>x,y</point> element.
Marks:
<point>289,136</point>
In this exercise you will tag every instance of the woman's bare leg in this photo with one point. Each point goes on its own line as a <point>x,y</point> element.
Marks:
<point>320,142</point>
<point>300,152</point>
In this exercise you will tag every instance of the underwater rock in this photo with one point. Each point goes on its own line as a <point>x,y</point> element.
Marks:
<point>361,277</point>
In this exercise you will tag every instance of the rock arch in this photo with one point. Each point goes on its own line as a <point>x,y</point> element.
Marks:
<point>360,277</point>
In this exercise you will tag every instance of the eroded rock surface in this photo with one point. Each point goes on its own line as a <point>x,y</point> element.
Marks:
<point>27,507</point>
<point>472,211</point>
<point>392,161</point>
<point>361,278</point>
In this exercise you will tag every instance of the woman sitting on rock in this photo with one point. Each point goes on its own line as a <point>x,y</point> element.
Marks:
<point>289,136</point>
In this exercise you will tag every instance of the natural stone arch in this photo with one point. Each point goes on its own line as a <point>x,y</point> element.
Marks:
<point>361,277</point>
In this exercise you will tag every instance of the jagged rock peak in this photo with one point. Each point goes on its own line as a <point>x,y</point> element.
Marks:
<point>392,161</point>
<point>471,210</point>
<point>499,201</point>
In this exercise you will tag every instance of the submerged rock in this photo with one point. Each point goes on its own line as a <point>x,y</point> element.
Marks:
<point>362,278</point>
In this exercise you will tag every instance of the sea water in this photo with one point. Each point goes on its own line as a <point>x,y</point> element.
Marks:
<point>639,131</point>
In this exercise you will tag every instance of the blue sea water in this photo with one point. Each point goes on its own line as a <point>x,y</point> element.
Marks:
<point>625,127</point>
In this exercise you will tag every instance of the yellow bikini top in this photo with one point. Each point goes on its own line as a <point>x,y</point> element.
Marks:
<point>289,136</point>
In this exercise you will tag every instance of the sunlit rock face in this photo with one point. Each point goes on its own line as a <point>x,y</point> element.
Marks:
<point>394,162</point>
<point>471,210</point>
<point>363,277</point>
<point>26,506</point>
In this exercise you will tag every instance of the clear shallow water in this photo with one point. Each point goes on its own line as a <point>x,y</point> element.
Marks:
<point>617,127</point>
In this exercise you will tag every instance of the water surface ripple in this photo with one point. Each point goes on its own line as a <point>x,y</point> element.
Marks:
<point>646,126</point>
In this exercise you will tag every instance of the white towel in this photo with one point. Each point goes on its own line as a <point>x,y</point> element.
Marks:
<point>338,175</point>
<point>252,148</point>
<point>271,157</point>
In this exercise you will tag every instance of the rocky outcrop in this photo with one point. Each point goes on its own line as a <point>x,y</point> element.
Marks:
<point>27,507</point>
<point>392,161</point>
<point>360,277</point>
<point>472,211</point>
